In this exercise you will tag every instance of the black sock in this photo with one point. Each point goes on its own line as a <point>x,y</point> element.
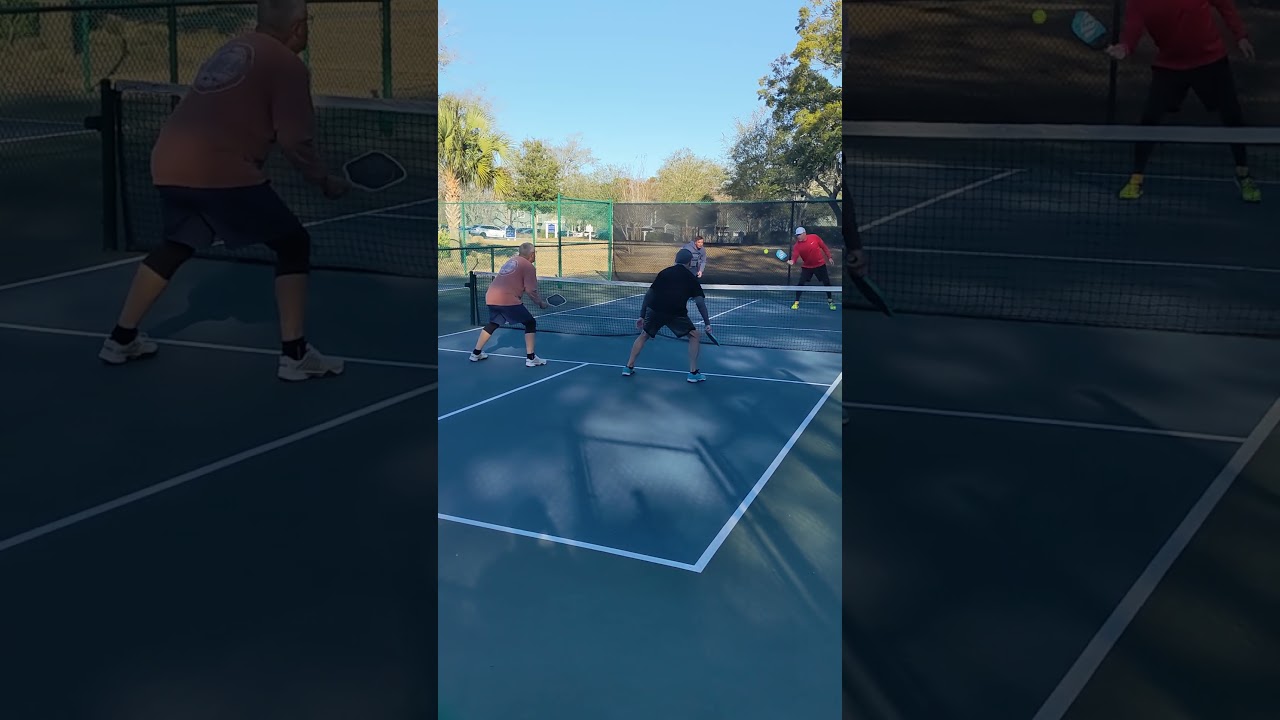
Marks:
<point>124,336</point>
<point>529,355</point>
<point>476,351</point>
<point>294,348</point>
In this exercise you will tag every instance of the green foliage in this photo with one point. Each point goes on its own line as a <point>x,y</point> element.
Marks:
<point>685,177</point>
<point>793,151</point>
<point>536,173</point>
<point>470,149</point>
<point>23,25</point>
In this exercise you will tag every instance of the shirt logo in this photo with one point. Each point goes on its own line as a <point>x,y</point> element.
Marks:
<point>510,266</point>
<point>225,70</point>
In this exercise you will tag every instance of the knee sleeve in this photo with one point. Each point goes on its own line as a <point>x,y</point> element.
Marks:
<point>166,259</point>
<point>531,327</point>
<point>293,253</point>
<point>491,327</point>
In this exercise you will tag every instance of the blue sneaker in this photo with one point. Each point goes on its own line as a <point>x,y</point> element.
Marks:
<point>628,371</point>
<point>696,377</point>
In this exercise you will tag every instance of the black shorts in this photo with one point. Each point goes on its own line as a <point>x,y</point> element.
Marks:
<point>680,325</point>
<point>1213,84</point>
<point>510,314</point>
<point>819,272</point>
<point>238,217</point>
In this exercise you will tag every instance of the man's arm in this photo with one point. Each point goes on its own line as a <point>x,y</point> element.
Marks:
<point>1134,26</point>
<point>293,116</point>
<point>1231,16</point>
<point>530,275</point>
<point>701,302</point>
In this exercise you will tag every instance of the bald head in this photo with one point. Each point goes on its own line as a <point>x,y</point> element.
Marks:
<point>285,20</point>
<point>526,250</point>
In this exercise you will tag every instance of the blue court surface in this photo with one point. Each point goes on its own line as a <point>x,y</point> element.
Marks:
<point>1048,521</point>
<point>187,534</point>
<point>637,547</point>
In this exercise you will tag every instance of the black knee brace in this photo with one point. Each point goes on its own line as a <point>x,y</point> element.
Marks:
<point>166,259</point>
<point>531,327</point>
<point>491,327</point>
<point>293,253</point>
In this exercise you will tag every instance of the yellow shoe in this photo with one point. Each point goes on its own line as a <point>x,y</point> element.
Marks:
<point>1249,189</point>
<point>1132,190</point>
<point>795,305</point>
<point>831,305</point>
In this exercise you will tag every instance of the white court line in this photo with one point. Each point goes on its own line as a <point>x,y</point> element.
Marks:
<point>768,473</point>
<point>929,166</point>
<point>510,392</point>
<point>453,289</point>
<point>70,273</point>
<point>1077,259</point>
<point>1184,178</point>
<point>200,472</point>
<point>1064,695</point>
<point>398,216</point>
<point>567,541</point>
<point>46,136</point>
<point>211,346</point>
<point>937,199</point>
<point>1185,435</point>
<point>648,369</point>
<point>366,213</point>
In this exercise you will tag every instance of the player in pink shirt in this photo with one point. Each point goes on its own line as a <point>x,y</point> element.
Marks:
<point>252,93</point>
<point>514,280</point>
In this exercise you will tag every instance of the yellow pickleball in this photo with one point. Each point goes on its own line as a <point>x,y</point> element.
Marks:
<point>1039,16</point>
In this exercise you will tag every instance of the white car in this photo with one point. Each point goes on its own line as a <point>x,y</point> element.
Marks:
<point>488,231</point>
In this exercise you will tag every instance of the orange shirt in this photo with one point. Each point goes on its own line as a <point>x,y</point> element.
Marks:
<point>516,277</point>
<point>251,93</point>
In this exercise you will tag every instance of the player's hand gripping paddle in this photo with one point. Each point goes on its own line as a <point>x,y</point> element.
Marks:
<point>706,331</point>
<point>871,293</point>
<point>374,171</point>
<point>1089,30</point>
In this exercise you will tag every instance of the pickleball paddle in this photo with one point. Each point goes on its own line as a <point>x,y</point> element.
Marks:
<point>871,293</point>
<point>374,171</point>
<point>1089,30</point>
<point>556,300</point>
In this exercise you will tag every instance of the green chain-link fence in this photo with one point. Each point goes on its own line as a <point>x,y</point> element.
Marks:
<point>573,236</point>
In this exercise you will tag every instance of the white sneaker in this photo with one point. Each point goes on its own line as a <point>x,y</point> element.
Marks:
<point>113,353</point>
<point>477,358</point>
<point>534,362</point>
<point>312,365</point>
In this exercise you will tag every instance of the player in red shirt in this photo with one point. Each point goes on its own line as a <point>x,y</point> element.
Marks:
<point>1191,56</point>
<point>814,255</point>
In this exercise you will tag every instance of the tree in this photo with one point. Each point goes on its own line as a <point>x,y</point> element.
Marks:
<point>685,177</point>
<point>755,161</point>
<point>803,95</point>
<point>536,173</point>
<point>470,154</point>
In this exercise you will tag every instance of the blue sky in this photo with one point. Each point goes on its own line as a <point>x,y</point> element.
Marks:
<point>638,81</point>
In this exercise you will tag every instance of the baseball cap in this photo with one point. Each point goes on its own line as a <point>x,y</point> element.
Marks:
<point>799,231</point>
<point>684,257</point>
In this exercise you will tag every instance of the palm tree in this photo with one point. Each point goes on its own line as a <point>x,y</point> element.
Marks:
<point>469,152</point>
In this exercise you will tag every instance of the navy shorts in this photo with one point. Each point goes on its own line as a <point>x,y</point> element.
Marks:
<point>679,325</point>
<point>238,217</point>
<point>509,314</point>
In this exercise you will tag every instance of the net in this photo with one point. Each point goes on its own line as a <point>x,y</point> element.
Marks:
<point>745,315</point>
<point>739,237</point>
<point>1027,222</point>
<point>392,231</point>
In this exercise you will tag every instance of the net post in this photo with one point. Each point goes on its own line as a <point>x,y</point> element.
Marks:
<point>609,248</point>
<point>462,232</point>
<point>107,124</point>
<point>559,238</point>
<point>475,310</point>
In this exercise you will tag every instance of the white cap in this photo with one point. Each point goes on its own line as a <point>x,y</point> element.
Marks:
<point>799,231</point>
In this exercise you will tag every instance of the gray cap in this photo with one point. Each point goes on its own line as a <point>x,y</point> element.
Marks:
<point>684,257</point>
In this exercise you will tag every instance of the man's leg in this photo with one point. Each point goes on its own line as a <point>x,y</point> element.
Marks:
<point>1215,86</point>
<point>531,358</point>
<point>184,230</point>
<point>825,278</point>
<point>694,345</point>
<point>805,274</point>
<point>1167,88</point>
<point>636,347</point>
